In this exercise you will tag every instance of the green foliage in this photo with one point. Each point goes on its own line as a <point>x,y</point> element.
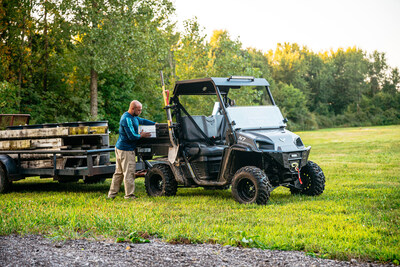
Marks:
<point>115,91</point>
<point>134,237</point>
<point>9,98</point>
<point>357,216</point>
<point>51,52</point>
<point>292,101</point>
<point>191,52</point>
<point>242,239</point>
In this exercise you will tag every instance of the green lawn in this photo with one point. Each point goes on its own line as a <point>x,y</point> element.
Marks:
<point>358,215</point>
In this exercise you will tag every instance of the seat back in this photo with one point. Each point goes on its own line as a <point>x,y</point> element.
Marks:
<point>212,126</point>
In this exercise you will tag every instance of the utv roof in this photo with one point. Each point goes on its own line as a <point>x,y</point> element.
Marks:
<point>206,86</point>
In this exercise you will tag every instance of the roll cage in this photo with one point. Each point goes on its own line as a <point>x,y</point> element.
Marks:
<point>214,86</point>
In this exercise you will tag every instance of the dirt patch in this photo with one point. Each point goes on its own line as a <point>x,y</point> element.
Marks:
<point>38,251</point>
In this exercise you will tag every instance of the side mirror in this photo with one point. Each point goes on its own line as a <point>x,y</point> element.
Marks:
<point>285,120</point>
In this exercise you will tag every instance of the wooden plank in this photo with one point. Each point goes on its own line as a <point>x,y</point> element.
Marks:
<point>44,163</point>
<point>78,130</point>
<point>34,133</point>
<point>30,144</point>
<point>98,129</point>
<point>51,132</point>
<point>15,145</point>
<point>37,156</point>
<point>84,130</point>
<point>47,143</point>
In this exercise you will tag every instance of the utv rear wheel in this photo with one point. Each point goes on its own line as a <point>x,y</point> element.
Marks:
<point>313,180</point>
<point>5,184</point>
<point>251,185</point>
<point>160,181</point>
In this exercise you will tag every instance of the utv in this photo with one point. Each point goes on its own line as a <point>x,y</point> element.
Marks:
<point>245,147</point>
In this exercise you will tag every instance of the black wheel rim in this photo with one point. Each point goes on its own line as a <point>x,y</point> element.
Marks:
<point>246,190</point>
<point>156,184</point>
<point>305,179</point>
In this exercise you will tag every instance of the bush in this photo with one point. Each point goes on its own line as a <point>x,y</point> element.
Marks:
<point>9,98</point>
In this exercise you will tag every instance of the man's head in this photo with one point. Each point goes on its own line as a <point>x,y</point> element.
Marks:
<point>135,108</point>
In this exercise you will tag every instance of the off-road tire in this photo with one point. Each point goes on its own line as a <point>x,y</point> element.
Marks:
<point>5,184</point>
<point>313,180</point>
<point>251,185</point>
<point>160,181</point>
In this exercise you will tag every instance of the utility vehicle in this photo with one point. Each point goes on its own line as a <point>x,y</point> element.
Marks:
<point>245,147</point>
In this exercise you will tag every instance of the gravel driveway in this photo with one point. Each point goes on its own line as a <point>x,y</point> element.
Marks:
<point>38,251</point>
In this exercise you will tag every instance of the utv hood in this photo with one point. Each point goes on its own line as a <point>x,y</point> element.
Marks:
<point>274,139</point>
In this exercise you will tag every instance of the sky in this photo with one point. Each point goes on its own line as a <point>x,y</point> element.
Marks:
<point>320,25</point>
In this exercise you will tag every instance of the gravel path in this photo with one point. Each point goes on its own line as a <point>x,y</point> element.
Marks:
<point>39,251</point>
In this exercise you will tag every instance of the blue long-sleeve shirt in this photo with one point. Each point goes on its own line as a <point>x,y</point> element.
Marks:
<point>129,131</point>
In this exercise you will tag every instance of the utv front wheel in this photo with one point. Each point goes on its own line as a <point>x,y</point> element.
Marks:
<point>160,181</point>
<point>313,180</point>
<point>251,185</point>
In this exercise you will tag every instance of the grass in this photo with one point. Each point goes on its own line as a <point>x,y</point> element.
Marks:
<point>358,215</point>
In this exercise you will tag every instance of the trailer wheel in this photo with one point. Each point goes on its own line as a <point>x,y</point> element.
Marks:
<point>5,184</point>
<point>160,181</point>
<point>251,185</point>
<point>313,180</point>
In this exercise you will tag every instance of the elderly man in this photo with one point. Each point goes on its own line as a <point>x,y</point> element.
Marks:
<point>125,150</point>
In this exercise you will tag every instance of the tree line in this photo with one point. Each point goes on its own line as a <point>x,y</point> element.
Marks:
<point>78,60</point>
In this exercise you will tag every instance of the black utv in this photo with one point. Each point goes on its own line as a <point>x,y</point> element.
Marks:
<point>245,147</point>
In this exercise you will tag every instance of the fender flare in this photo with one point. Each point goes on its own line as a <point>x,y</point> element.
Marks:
<point>9,165</point>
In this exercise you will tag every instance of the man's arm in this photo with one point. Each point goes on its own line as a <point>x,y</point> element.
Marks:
<point>130,130</point>
<point>145,122</point>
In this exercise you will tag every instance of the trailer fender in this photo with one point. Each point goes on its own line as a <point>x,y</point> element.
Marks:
<point>9,165</point>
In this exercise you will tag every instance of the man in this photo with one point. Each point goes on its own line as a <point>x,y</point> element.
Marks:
<point>125,150</point>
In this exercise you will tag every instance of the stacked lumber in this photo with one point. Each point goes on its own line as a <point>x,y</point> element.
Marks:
<point>53,137</point>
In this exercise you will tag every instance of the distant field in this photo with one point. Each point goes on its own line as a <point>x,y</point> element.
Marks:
<point>358,215</point>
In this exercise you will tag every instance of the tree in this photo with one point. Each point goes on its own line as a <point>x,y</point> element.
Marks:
<point>225,56</point>
<point>191,52</point>
<point>377,69</point>
<point>350,69</point>
<point>9,99</point>
<point>113,36</point>
<point>288,65</point>
<point>293,104</point>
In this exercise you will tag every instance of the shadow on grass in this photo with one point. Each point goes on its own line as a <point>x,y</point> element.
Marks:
<point>199,191</point>
<point>52,186</point>
<point>278,197</point>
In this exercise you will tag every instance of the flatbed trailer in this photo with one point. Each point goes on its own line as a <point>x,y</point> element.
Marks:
<point>66,152</point>
<point>66,163</point>
<point>16,172</point>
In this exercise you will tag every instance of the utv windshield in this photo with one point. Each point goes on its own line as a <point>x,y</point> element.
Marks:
<point>255,117</point>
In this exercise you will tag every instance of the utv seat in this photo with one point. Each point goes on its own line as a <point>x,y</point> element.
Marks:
<point>196,144</point>
<point>201,149</point>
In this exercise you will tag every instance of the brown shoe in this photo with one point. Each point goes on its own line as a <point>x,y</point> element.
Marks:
<point>131,197</point>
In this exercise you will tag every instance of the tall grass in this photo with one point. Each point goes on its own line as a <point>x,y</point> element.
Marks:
<point>358,215</point>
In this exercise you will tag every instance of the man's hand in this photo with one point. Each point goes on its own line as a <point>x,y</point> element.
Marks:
<point>144,134</point>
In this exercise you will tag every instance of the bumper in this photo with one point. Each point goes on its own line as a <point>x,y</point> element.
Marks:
<point>290,159</point>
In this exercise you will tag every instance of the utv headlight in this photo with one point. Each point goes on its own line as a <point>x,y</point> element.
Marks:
<point>261,145</point>
<point>298,142</point>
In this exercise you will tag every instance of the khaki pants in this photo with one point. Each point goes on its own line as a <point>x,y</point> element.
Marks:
<point>124,170</point>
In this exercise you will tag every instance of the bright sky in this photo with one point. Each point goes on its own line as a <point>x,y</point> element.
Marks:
<point>318,24</point>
